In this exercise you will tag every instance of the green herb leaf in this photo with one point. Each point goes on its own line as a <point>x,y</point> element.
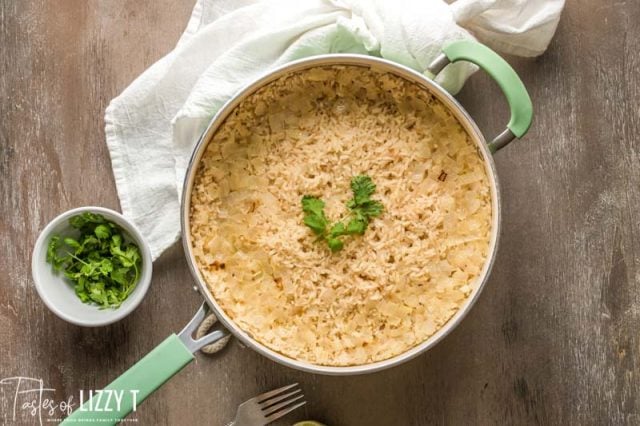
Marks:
<point>314,218</point>
<point>119,275</point>
<point>72,243</point>
<point>106,266</point>
<point>132,253</point>
<point>362,207</point>
<point>356,226</point>
<point>370,209</point>
<point>363,188</point>
<point>102,232</point>
<point>54,243</point>
<point>337,230</point>
<point>52,255</point>
<point>114,245</point>
<point>86,218</point>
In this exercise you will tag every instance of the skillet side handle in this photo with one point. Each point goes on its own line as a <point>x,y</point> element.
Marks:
<point>507,79</point>
<point>132,387</point>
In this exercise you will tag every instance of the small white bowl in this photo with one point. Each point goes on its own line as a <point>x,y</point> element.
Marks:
<point>58,293</point>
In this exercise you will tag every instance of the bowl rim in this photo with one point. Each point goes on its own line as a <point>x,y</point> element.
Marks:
<point>143,282</point>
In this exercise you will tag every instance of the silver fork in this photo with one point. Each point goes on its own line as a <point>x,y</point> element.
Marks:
<point>269,406</point>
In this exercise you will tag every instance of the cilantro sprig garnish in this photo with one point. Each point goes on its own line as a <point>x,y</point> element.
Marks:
<point>361,207</point>
<point>103,266</point>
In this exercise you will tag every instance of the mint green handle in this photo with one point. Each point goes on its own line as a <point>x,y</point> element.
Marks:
<point>132,387</point>
<point>503,74</point>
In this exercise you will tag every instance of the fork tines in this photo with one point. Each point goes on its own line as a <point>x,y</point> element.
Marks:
<point>276,403</point>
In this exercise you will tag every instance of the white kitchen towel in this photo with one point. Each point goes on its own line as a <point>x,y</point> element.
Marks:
<point>153,125</point>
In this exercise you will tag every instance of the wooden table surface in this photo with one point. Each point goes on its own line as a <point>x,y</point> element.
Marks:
<point>553,339</point>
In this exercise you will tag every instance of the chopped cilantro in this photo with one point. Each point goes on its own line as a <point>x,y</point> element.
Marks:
<point>103,266</point>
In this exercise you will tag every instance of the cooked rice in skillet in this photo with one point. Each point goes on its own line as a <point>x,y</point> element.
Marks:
<point>310,133</point>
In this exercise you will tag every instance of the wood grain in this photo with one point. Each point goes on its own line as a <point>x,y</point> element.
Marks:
<point>554,338</point>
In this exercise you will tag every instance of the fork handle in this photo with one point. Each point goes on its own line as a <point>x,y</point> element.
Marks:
<point>123,395</point>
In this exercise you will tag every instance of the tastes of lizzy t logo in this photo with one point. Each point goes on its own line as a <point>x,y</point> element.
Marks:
<point>28,397</point>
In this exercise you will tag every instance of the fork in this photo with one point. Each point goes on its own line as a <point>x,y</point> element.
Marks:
<point>269,406</point>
